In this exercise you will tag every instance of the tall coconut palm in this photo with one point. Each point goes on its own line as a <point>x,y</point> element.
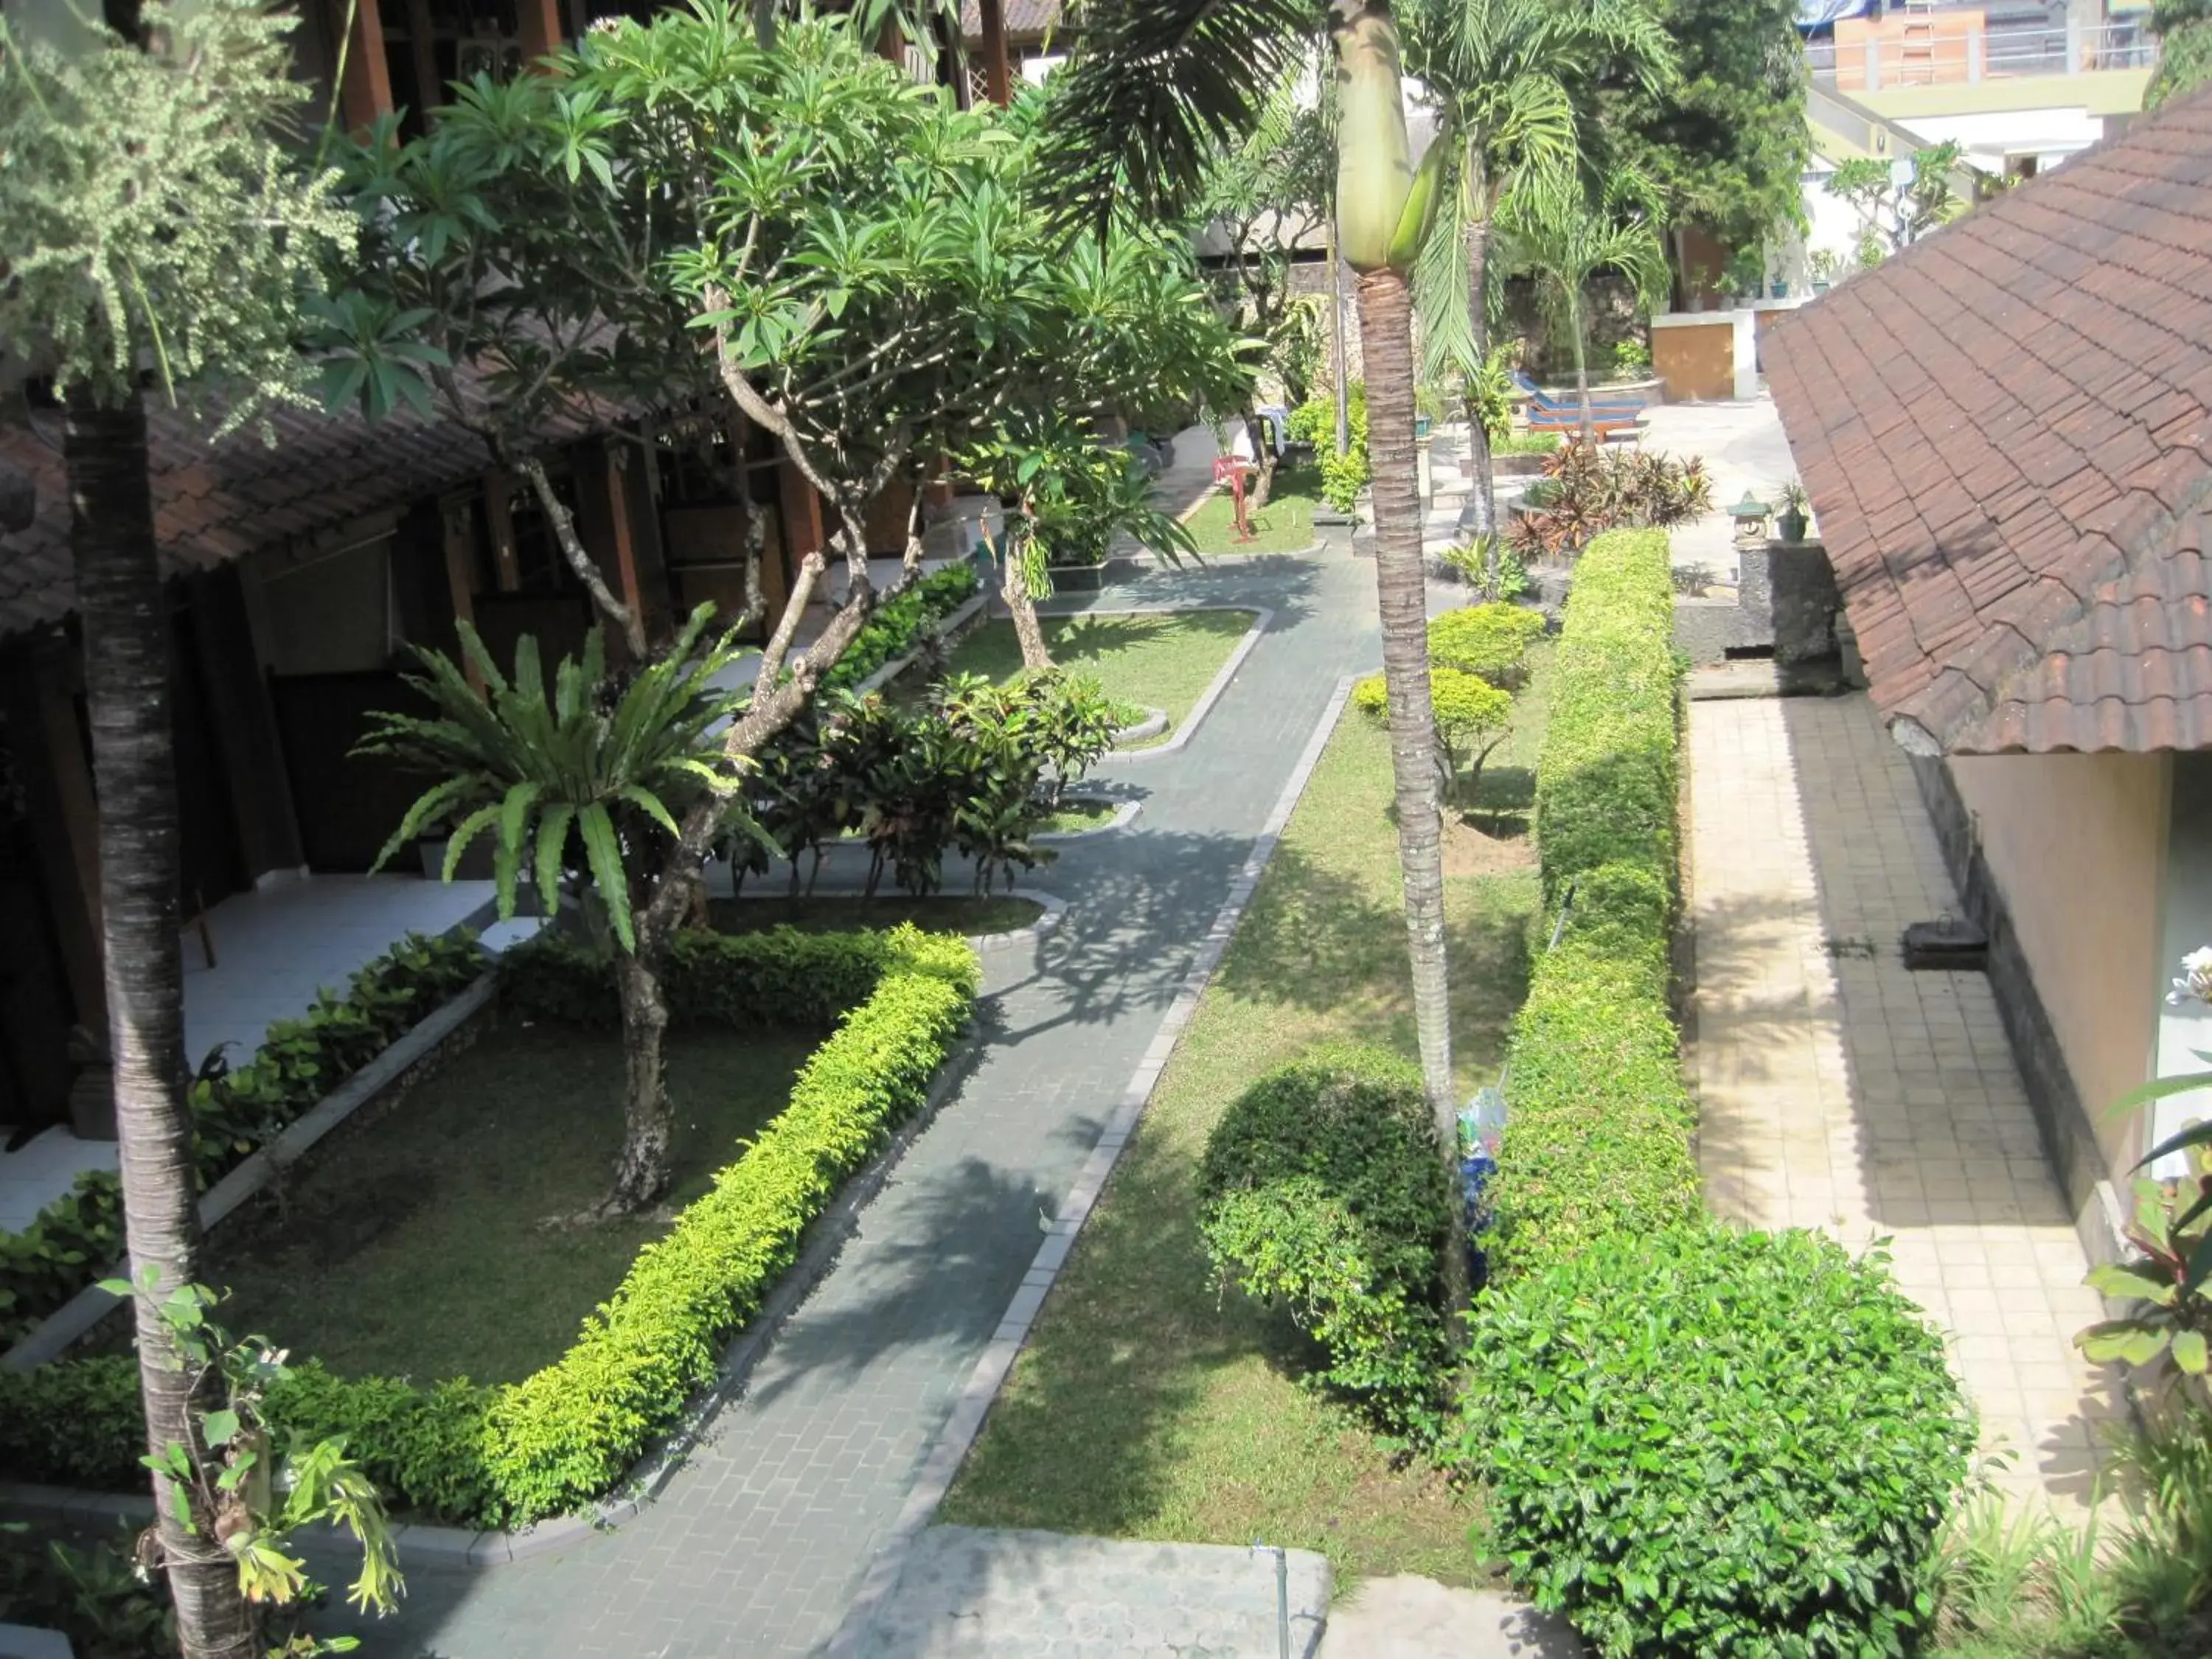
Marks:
<point>149,213</point>
<point>1152,90</point>
<point>1507,77</point>
<point>1567,235</point>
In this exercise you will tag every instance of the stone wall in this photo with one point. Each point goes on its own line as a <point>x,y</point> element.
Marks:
<point>1786,603</point>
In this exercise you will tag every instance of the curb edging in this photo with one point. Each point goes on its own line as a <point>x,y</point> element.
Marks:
<point>1262,616</point>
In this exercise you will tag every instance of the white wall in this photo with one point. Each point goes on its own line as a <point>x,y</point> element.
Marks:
<point>2048,135</point>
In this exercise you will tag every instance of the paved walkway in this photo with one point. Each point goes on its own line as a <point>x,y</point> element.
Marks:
<point>757,1545</point>
<point>1839,1090</point>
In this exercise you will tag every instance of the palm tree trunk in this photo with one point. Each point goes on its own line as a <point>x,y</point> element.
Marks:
<point>1480,518</point>
<point>1386,341</point>
<point>641,1172</point>
<point>1582,364</point>
<point>126,656</point>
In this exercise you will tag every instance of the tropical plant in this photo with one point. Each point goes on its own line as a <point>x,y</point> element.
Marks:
<point>1514,81</point>
<point>1491,640</point>
<point>152,213</point>
<point>1472,719</point>
<point>1587,490</point>
<point>1490,567</point>
<point>1151,90</point>
<point>594,779</point>
<point>1344,473</point>
<point>1893,216</point>
<point>1565,236</point>
<point>1824,263</point>
<point>2184,28</point>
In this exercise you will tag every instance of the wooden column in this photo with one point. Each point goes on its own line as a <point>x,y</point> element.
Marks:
<point>627,581</point>
<point>427,87</point>
<point>64,814</point>
<point>499,515</point>
<point>538,23</point>
<point>998,74</point>
<point>247,747</point>
<point>457,525</point>
<point>366,91</point>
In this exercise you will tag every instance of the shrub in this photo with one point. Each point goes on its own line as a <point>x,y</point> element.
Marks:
<point>1601,1132</point>
<point>78,1237</point>
<point>563,1436</point>
<point>1471,715</point>
<point>1588,489</point>
<point>1489,640</point>
<point>500,1456</point>
<point>1314,421</point>
<point>1708,1441</point>
<point>1323,1191</point>
<point>898,623</point>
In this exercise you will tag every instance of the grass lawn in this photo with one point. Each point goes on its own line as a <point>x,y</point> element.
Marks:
<point>1284,525</point>
<point>938,913</point>
<point>1146,1404</point>
<point>415,1249</point>
<point>1164,661</point>
<point>1081,815</point>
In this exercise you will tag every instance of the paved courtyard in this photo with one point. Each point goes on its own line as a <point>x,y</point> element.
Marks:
<point>757,1545</point>
<point>1839,1090</point>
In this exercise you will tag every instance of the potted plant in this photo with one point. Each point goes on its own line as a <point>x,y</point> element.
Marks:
<point>1823,267</point>
<point>1747,274</point>
<point>1792,512</point>
<point>1780,289</point>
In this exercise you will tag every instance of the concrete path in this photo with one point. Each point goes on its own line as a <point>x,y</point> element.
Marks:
<point>1839,1090</point>
<point>757,1545</point>
<point>1743,448</point>
<point>1408,1618</point>
<point>971,1592</point>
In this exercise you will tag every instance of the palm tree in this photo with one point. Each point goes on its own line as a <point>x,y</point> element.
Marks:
<point>1506,77</point>
<point>149,212</point>
<point>1568,236</point>
<point>1153,90</point>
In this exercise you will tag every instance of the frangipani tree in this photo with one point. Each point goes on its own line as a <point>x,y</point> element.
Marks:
<point>1511,81</point>
<point>1567,235</point>
<point>1153,91</point>
<point>156,234</point>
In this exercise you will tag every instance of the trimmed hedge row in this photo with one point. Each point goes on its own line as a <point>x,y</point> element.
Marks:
<point>897,624</point>
<point>1602,1129</point>
<point>507,1455</point>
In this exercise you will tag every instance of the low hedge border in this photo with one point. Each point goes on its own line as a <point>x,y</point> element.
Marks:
<point>516,1454</point>
<point>1603,1129</point>
<point>899,623</point>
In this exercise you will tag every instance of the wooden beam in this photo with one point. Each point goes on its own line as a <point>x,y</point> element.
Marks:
<point>366,92</point>
<point>244,726</point>
<point>459,529</point>
<point>499,514</point>
<point>625,544</point>
<point>64,817</point>
<point>429,89</point>
<point>998,73</point>
<point>538,23</point>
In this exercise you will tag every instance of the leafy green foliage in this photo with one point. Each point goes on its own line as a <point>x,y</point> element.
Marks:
<point>1321,1190</point>
<point>190,245</point>
<point>95,1596</point>
<point>1589,489</point>
<point>1342,476</point>
<point>897,625</point>
<point>1471,717</point>
<point>579,780</point>
<point>506,1455</point>
<point>1599,1135</point>
<point>2185,57</point>
<point>235,1111</point>
<point>1705,1441</point>
<point>2165,1282</point>
<point>1489,640</point>
<point>1892,215</point>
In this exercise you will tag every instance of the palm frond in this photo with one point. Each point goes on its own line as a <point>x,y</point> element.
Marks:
<point>1154,88</point>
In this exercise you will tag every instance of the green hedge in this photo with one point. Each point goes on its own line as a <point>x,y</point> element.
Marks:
<point>1710,1442</point>
<point>774,979</point>
<point>897,624</point>
<point>506,1455</point>
<point>1601,1129</point>
<point>235,1109</point>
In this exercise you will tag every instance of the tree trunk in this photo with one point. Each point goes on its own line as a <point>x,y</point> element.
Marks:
<point>1263,458</point>
<point>585,567</point>
<point>1582,366</point>
<point>642,1173</point>
<point>125,614</point>
<point>1022,609</point>
<point>1386,340</point>
<point>1337,356</point>
<point>1480,516</point>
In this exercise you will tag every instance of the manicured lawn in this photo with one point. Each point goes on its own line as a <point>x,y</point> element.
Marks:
<point>1080,815</point>
<point>413,1247</point>
<point>1284,525</point>
<point>1160,661</point>
<point>938,913</point>
<point>1525,443</point>
<point>1149,1406</point>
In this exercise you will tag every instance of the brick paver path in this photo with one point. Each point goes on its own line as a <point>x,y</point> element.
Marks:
<point>757,1545</point>
<point>1838,1090</point>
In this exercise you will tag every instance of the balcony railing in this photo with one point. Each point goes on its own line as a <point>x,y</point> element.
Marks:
<point>1966,59</point>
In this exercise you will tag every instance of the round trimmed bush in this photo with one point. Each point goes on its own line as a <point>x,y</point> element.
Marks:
<point>1489,640</point>
<point>1323,1191</point>
<point>1703,1441</point>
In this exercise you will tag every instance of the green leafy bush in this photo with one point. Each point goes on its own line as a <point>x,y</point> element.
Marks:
<point>1708,1442</point>
<point>1323,1191</point>
<point>78,1237</point>
<point>1601,1134</point>
<point>1489,640</point>
<point>504,1456</point>
<point>1472,717</point>
<point>778,979</point>
<point>1314,421</point>
<point>897,624</point>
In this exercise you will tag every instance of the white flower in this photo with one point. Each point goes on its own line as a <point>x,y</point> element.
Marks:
<point>2194,983</point>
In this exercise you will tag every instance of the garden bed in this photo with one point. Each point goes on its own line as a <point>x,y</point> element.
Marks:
<point>1162,660</point>
<point>1285,524</point>
<point>1145,1404</point>
<point>968,917</point>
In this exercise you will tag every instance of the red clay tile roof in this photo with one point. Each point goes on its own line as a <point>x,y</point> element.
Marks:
<point>2004,434</point>
<point>221,500</point>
